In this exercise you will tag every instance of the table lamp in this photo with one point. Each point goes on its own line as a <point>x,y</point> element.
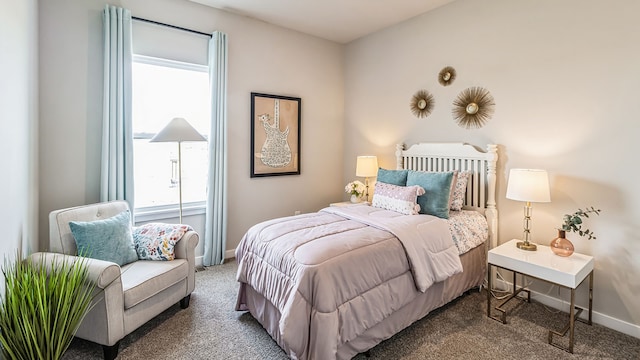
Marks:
<point>367,166</point>
<point>529,185</point>
<point>178,130</point>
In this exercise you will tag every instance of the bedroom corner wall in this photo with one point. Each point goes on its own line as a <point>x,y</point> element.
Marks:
<point>262,58</point>
<point>18,126</point>
<point>564,77</point>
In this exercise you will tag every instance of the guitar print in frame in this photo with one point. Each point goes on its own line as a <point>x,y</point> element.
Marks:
<point>275,135</point>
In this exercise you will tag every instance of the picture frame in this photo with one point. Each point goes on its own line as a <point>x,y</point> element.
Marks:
<point>275,135</point>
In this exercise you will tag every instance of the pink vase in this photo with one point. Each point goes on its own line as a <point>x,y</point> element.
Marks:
<point>561,246</point>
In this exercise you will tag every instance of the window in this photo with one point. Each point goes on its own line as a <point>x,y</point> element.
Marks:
<point>162,90</point>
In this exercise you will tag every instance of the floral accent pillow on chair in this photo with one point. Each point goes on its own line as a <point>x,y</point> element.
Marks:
<point>155,241</point>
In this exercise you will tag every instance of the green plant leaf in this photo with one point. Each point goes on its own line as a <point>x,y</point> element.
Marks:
<point>43,305</point>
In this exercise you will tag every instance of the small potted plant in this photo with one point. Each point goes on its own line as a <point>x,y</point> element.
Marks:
<point>572,223</point>
<point>356,190</point>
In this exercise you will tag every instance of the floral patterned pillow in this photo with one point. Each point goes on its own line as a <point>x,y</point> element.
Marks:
<point>400,199</point>
<point>459,190</point>
<point>155,241</point>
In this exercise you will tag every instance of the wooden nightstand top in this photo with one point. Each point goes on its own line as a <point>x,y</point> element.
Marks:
<point>543,263</point>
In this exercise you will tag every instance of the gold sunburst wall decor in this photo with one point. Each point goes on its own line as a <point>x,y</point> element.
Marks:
<point>422,103</point>
<point>473,107</point>
<point>446,76</point>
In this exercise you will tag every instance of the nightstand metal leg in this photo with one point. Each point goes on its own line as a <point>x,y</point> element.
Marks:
<point>572,319</point>
<point>488,290</point>
<point>502,317</point>
<point>590,297</point>
<point>570,326</point>
<point>574,315</point>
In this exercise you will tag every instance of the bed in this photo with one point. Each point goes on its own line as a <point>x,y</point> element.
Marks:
<point>335,283</point>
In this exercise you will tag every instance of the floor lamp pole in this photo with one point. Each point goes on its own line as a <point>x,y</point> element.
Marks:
<point>180,176</point>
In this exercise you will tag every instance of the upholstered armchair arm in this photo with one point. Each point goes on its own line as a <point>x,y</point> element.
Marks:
<point>101,273</point>
<point>108,300</point>
<point>186,249</point>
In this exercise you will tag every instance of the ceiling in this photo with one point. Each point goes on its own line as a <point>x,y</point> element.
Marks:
<point>338,20</point>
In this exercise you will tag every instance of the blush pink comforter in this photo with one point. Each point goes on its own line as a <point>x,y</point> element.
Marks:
<point>336,273</point>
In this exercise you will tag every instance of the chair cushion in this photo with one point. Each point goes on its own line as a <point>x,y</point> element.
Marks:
<point>143,279</point>
<point>109,239</point>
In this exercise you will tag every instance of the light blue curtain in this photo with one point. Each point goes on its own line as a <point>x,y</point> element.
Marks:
<point>215,237</point>
<point>116,180</point>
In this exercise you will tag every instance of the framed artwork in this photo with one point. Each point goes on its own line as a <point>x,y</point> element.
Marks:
<point>275,135</point>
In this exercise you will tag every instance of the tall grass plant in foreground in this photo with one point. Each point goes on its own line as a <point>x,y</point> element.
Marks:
<point>43,305</point>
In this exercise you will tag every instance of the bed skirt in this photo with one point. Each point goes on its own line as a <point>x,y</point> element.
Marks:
<point>474,263</point>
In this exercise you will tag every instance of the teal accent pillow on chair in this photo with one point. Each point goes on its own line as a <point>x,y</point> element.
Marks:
<point>393,177</point>
<point>109,239</point>
<point>437,186</point>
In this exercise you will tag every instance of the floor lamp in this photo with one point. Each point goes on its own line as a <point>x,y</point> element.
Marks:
<point>178,130</point>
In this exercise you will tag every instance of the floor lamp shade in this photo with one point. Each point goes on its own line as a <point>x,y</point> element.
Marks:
<point>178,130</point>
<point>528,185</point>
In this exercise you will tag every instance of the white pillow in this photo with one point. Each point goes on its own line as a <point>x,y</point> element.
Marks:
<point>400,199</point>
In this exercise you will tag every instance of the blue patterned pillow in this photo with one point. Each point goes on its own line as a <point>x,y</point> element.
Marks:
<point>437,187</point>
<point>109,239</point>
<point>155,241</point>
<point>393,177</point>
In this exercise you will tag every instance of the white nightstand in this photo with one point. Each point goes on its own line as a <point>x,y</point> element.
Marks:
<point>543,264</point>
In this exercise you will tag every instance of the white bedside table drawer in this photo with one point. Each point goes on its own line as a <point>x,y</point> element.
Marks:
<point>543,264</point>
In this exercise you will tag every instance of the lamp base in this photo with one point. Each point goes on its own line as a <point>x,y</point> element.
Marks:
<point>525,245</point>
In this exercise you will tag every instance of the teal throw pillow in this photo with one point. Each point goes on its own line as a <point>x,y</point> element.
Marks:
<point>109,239</point>
<point>393,177</point>
<point>437,186</point>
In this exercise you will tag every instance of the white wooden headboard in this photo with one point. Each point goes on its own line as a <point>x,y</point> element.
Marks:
<point>481,189</point>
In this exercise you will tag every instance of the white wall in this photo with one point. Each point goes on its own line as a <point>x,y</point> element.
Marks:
<point>18,126</point>
<point>262,58</point>
<point>564,75</point>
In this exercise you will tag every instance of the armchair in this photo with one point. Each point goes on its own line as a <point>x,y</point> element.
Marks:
<point>125,297</point>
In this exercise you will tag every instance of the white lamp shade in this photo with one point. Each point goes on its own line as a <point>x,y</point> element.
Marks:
<point>530,185</point>
<point>178,130</point>
<point>367,166</point>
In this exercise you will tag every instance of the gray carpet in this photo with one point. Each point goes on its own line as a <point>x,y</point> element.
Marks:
<point>211,329</point>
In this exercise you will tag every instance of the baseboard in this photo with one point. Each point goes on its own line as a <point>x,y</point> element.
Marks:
<point>597,317</point>
<point>229,254</point>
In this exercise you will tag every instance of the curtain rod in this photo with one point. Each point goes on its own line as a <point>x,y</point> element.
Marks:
<point>169,25</point>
